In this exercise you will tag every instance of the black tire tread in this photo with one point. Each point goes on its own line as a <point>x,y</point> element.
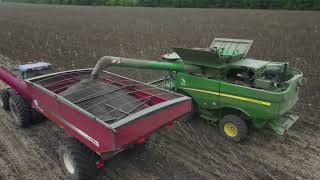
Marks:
<point>239,122</point>
<point>22,108</point>
<point>4,95</point>
<point>83,158</point>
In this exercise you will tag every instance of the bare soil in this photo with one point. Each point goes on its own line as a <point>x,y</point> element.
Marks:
<point>76,36</point>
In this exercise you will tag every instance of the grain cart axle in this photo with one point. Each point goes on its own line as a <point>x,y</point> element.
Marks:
<point>227,87</point>
<point>103,115</point>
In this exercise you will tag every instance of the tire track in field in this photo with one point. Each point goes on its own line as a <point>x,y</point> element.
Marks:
<point>8,170</point>
<point>183,153</point>
<point>28,159</point>
<point>213,161</point>
<point>296,155</point>
<point>263,154</point>
<point>17,153</point>
<point>154,163</point>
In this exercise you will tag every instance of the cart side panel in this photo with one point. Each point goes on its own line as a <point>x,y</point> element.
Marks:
<point>146,125</point>
<point>93,134</point>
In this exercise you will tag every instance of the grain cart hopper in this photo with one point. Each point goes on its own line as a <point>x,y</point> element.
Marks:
<point>104,114</point>
<point>227,87</point>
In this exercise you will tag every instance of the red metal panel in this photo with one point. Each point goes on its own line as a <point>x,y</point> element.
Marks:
<point>143,127</point>
<point>93,134</point>
<point>14,82</point>
<point>98,136</point>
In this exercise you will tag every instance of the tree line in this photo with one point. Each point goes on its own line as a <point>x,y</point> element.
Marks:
<point>248,4</point>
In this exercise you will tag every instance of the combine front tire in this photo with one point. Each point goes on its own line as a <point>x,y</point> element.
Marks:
<point>79,162</point>
<point>233,127</point>
<point>20,110</point>
<point>4,99</point>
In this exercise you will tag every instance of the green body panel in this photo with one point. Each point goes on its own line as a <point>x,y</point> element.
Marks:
<point>260,105</point>
<point>257,111</point>
<point>213,94</point>
<point>291,94</point>
<point>189,84</point>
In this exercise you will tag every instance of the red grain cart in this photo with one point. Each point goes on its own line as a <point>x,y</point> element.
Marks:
<point>104,115</point>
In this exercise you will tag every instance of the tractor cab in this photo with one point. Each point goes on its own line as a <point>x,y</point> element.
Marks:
<point>31,70</point>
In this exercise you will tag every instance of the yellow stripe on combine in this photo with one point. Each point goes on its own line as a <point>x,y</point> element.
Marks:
<point>232,96</point>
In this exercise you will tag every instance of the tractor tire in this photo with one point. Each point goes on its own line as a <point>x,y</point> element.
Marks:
<point>20,110</point>
<point>233,128</point>
<point>4,99</point>
<point>79,162</point>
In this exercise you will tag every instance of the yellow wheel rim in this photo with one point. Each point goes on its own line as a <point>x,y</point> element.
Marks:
<point>230,129</point>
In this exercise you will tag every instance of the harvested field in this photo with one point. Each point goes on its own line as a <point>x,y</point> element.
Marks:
<point>76,37</point>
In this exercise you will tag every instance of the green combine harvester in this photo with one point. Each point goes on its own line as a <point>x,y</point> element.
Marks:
<point>227,87</point>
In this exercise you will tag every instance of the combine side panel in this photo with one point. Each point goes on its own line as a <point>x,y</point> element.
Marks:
<point>257,104</point>
<point>204,91</point>
<point>290,97</point>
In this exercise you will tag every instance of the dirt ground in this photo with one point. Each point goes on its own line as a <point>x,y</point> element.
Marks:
<point>189,151</point>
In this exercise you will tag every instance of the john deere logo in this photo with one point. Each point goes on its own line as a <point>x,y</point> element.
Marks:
<point>183,82</point>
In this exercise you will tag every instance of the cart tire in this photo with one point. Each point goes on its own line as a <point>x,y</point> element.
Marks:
<point>233,127</point>
<point>78,161</point>
<point>20,110</point>
<point>37,117</point>
<point>138,148</point>
<point>4,99</point>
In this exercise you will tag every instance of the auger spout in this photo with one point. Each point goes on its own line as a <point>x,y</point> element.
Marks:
<point>107,61</point>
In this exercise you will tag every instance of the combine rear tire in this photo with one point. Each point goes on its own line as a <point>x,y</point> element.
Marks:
<point>79,162</point>
<point>4,99</point>
<point>233,127</point>
<point>20,110</point>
